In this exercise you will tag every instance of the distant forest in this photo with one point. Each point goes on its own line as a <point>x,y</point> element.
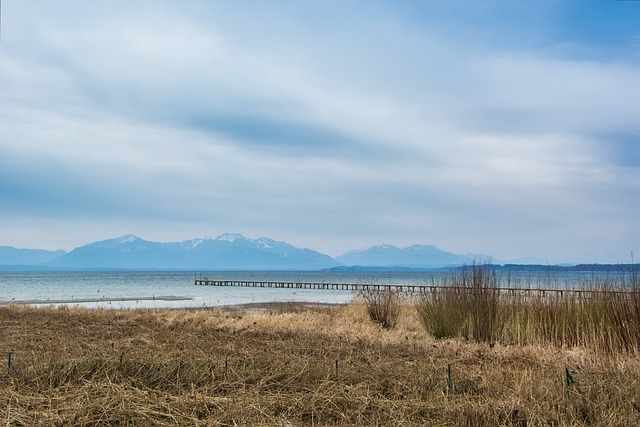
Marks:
<point>613,268</point>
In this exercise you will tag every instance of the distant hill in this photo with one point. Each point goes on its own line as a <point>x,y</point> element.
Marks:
<point>418,256</point>
<point>14,256</point>
<point>228,252</point>
<point>235,252</point>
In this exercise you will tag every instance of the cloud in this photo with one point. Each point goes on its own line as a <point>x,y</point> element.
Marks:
<point>330,127</point>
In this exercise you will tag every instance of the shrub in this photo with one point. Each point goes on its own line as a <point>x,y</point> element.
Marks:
<point>443,312</point>
<point>383,307</point>
<point>468,305</point>
<point>481,289</point>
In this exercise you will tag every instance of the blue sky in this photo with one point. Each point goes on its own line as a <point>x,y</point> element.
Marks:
<point>498,127</point>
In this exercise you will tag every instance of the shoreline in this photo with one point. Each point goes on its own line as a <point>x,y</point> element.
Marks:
<point>281,306</point>
<point>256,307</point>
<point>96,300</point>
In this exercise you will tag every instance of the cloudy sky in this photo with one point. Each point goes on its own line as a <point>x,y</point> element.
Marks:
<point>501,127</point>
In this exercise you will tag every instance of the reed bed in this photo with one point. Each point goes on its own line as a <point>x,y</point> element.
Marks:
<point>295,366</point>
<point>604,319</point>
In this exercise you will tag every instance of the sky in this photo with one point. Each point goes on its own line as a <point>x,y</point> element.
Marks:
<point>499,127</point>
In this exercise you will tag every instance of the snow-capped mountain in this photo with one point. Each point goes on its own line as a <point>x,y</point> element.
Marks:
<point>228,251</point>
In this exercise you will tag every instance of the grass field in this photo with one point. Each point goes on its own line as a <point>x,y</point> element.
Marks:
<point>294,366</point>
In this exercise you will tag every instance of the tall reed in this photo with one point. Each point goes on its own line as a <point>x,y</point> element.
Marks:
<point>443,312</point>
<point>383,306</point>
<point>468,306</point>
<point>605,318</point>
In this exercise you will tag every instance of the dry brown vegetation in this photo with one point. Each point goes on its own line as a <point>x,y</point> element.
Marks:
<point>383,306</point>
<point>293,366</point>
<point>604,317</point>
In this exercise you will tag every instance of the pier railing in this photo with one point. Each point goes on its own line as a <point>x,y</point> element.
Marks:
<point>406,288</point>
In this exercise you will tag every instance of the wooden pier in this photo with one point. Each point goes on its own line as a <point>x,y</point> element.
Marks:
<point>405,288</point>
<point>309,285</point>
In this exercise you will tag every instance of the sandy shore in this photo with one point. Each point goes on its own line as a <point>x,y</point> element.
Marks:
<point>86,300</point>
<point>256,307</point>
<point>281,306</point>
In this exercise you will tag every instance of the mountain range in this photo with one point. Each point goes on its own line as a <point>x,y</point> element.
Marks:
<point>420,256</point>
<point>13,256</point>
<point>225,252</point>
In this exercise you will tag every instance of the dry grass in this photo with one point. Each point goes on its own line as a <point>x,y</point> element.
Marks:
<point>329,366</point>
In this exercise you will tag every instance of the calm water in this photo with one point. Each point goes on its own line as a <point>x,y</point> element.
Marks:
<point>147,288</point>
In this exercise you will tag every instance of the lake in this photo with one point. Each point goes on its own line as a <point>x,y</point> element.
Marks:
<point>160,289</point>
